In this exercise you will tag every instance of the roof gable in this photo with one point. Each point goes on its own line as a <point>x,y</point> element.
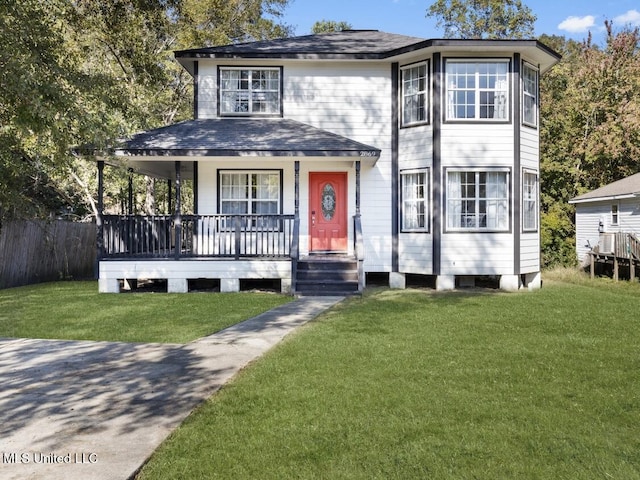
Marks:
<point>627,187</point>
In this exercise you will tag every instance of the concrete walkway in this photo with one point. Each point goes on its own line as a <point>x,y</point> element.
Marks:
<point>78,410</point>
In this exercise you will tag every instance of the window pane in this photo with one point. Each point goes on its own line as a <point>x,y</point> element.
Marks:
<point>478,200</point>
<point>477,90</point>
<point>530,201</point>
<point>414,198</point>
<point>414,94</point>
<point>530,95</point>
<point>250,91</point>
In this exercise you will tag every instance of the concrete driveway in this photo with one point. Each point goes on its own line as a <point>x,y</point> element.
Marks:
<point>79,410</point>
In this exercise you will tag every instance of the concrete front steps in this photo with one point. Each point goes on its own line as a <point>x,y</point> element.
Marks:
<point>327,275</point>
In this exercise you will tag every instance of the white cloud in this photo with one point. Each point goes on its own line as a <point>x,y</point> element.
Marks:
<point>578,24</point>
<point>632,17</point>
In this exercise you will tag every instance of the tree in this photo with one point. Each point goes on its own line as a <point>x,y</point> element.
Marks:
<point>590,130</point>
<point>87,72</point>
<point>328,26</point>
<point>483,18</point>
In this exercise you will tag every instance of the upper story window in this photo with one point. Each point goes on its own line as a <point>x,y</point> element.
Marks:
<point>415,104</point>
<point>478,200</point>
<point>477,90</point>
<point>254,91</point>
<point>529,95</point>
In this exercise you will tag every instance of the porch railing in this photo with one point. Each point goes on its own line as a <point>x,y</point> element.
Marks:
<point>231,236</point>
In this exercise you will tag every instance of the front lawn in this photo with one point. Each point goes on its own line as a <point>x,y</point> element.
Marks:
<point>76,311</point>
<point>417,384</point>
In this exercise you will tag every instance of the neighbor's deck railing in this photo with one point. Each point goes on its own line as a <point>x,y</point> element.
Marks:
<point>231,236</point>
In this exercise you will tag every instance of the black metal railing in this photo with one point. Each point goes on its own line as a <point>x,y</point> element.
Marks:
<point>232,236</point>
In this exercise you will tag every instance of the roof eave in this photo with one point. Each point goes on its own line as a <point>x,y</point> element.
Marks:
<point>604,198</point>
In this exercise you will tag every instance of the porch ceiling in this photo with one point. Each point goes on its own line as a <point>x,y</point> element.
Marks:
<point>153,152</point>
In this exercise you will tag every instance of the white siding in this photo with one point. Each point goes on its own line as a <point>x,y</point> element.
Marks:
<point>415,252</point>
<point>474,145</point>
<point>416,151</point>
<point>415,147</point>
<point>192,269</point>
<point>477,254</point>
<point>588,217</point>
<point>529,241</point>
<point>352,100</point>
<point>207,90</point>
<point>530,253</point>
<point>529,148</point>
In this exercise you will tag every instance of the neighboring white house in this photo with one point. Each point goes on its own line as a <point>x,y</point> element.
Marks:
<point>610,209</point>
<point>405,155</point>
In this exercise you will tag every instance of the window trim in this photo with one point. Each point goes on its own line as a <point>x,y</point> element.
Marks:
<point>248,171</point>
<point>426,93</point>
<point>615,217</point>
<point>478,120</point>
<point>280,108</point>
<point>426,200</point>
<point>536,175</point>
<point>536,97</point>
<point>507,229</point>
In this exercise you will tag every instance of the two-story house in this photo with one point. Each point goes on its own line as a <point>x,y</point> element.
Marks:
<point>321,159</point>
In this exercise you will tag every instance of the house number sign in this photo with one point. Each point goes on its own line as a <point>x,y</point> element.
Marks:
<point>328,201</point>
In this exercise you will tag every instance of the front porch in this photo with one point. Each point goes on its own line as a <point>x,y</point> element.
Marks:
<point>245,221</point>
<point>225,248</point>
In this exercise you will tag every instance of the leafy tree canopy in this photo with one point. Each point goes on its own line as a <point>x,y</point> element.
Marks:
<point>85,72</point>
<point>590,130</point>
<point>483,18</point>
<point>327,26</point>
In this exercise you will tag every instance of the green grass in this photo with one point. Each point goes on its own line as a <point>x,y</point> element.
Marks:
<point>418,384</point>
<point>76,311</point>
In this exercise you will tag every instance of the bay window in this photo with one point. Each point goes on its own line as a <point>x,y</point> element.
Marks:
<point>477,200</point>
<point>477,90</point>
<point>415,193</point>
<point>254,91</point>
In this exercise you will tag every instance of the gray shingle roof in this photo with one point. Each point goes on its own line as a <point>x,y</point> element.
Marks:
<point>352,43</point>
<point>243,137</point>
<point>626,187</point>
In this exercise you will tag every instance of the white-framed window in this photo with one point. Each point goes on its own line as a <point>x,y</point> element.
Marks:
<point>529,201</point>
<point>614,214</point>
<point>477,200</point>
<point>415,98</point>
<point>415,200</point>
<point>249,91</point>
<point>243,193</point>
<point>477,90</point>
<point>529,95</point>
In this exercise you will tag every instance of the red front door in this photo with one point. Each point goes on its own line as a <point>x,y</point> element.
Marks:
<point>328,211</point>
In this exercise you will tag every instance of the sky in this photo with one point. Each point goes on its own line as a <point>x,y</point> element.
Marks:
<point>570,18</point>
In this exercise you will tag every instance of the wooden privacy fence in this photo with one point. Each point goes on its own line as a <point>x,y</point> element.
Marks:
<point>33,251</point>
